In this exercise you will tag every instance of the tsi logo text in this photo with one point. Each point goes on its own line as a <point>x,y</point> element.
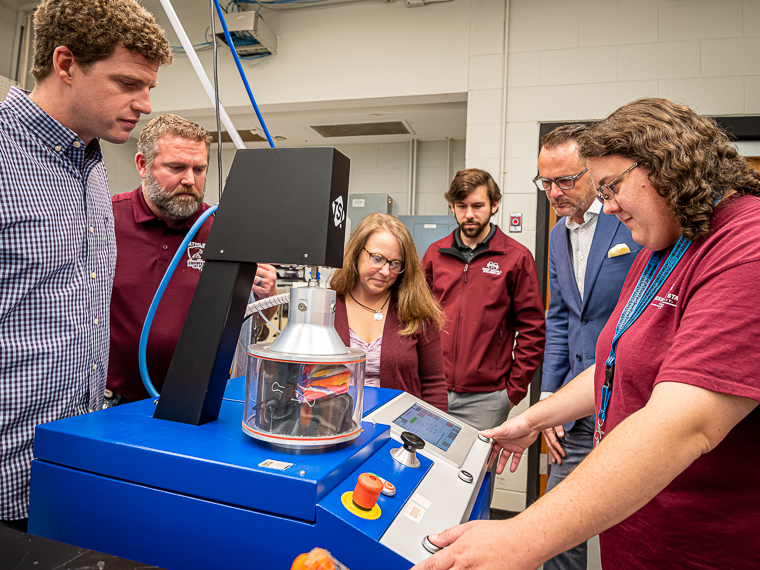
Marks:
<point>339,211</point>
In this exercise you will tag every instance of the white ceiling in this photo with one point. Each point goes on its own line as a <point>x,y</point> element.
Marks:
<point>429,120</point>
<point>430,117</point>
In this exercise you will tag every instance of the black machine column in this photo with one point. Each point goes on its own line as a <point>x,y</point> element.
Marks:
<point>279,206</point>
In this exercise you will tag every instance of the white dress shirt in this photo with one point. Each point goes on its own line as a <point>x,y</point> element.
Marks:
<point>581,236</point>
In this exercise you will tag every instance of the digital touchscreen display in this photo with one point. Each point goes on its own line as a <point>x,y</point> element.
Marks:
<point>431,427</point>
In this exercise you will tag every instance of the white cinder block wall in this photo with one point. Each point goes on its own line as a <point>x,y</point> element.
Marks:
<point>120,165</point>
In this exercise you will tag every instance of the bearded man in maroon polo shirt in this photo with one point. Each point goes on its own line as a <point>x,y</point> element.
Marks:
<point>151,223</point>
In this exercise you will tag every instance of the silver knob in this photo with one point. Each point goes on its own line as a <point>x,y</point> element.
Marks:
<point>429,546</point>
<point>465,476</point>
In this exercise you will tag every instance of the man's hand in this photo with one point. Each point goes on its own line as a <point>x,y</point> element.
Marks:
<point>265,282</point>
<point>481,545</point>
<point>514,437</point>
<point>555,447</point>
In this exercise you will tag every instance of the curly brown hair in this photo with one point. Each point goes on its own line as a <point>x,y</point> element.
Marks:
<point>415,304</point>
<point>91,29</point>
<point>688,158</point>
<point>466,181</point>
<point>169,125</point>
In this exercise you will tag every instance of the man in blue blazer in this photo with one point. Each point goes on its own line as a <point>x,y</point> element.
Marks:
<point>590,254</point>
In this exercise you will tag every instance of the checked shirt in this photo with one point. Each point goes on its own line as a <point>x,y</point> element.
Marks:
<point>57,259</point>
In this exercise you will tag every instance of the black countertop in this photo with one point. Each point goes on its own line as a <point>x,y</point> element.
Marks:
<point>22,551</point>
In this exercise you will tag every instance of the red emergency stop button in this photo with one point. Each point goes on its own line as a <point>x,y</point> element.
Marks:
<point>368,489</point>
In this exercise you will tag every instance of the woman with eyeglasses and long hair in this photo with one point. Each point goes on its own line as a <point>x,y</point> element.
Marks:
<point>673,480</point>
<point>385,308</point>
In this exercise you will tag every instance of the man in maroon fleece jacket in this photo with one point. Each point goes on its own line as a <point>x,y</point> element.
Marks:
<point>488,286</point>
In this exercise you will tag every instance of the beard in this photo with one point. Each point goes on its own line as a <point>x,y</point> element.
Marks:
<point>177,204</point>
<point>474,230</point>
<point>571,206</point>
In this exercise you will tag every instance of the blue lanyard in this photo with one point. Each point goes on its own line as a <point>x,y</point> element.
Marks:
<point>649,284</point>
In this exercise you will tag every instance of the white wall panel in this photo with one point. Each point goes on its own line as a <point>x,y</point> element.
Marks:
<point>619,27</point>
<point>751,18</point>
<point>691,21</point>
<point>7,38</point>
<point>485,105</point>
<point>486,27</point>
<point>739,56</point>
<point>120,166</point>
<point>662,60</point>
<point>752,95</point>
<point>546,32</point>
<point>721,95</point>
<point>597,100</point>
<point>524,69</point>
<point>583,65</point>
<point>486,71</point>
<point>522,140</point>
<point>542,103</point>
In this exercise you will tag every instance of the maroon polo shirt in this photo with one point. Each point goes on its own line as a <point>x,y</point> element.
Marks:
<point>145,247</point>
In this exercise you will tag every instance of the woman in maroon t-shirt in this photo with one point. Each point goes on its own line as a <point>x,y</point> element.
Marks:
<point>673,481</point>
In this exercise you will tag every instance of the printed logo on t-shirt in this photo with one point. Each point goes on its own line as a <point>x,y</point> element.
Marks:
<point>669,300</point>
<point>492,267</point>
<point>194,254</point>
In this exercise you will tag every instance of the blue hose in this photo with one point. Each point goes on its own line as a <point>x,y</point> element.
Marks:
<point>242,73</point>
<point>157,299</point>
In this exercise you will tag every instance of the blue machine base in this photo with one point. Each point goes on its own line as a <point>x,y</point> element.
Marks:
<point>200,497</point>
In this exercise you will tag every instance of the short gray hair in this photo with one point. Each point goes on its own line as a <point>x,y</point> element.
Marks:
<point>563,134</point>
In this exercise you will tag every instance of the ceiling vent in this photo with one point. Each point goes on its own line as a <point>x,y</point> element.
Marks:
<point>364,129</point>
<point>247,136</point>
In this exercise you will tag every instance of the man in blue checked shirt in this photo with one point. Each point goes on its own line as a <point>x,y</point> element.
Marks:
<point>94,63</point>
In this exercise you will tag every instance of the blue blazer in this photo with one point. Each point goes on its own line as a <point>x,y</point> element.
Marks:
<point>572,325</point>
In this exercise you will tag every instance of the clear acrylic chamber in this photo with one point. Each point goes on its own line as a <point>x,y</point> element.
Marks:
<point>303,401</point>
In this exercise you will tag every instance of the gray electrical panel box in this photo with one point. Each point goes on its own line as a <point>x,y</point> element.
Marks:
<point>427,229</point>
<point>362,205</point>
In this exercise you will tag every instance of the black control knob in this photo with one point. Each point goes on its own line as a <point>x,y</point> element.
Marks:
<point>412,442</point>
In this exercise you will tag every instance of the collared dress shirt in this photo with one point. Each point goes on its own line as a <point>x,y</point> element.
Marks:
<point>57,259</point>
<point>581,237</point>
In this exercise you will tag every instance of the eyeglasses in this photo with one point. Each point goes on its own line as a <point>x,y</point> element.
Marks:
<point>563,183</point>
<point>377,261</point>
<point>607,191</point>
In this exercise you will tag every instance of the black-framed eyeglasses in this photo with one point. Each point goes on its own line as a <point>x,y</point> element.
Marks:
<point>607,191</point>
<point>377,261</point>
<point>563,183</point>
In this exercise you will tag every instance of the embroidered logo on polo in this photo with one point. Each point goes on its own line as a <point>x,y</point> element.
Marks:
<point>668,300</point>
<point>194,254</point>
<point>492,267</point>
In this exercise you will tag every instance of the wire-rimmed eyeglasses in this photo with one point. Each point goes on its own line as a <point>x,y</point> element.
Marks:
<point>377,261</point>
<point>607,191</point>
<point>563,183</point>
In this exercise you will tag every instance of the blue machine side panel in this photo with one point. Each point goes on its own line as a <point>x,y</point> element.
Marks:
<point>235,390</point>
<point>178,532</point>
<point>382,464</point>
<point>215,461</point>
<point>376,397</point>
<point>481,510</point>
